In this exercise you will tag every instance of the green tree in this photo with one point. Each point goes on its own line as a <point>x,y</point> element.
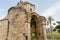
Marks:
<point>58,26</point>
<point>54,23</point>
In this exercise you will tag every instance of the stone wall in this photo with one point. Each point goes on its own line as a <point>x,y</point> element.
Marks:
<point>3,29</point>
<point>17,24</point>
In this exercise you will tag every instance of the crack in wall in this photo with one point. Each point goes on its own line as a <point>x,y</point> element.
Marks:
<point>7,31</point>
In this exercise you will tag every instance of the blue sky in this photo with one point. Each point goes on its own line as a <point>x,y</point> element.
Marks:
<point>43,7</point>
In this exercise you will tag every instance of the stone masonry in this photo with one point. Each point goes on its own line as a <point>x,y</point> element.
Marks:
<point>21,22</point>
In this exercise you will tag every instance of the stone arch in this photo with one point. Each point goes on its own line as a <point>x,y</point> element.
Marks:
<point>35,27</point>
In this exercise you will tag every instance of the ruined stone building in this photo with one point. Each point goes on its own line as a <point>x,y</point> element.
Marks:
<point>23,23</point>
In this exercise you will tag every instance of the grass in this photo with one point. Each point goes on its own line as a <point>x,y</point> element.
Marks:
<point>50,36</point>
<point>53,36</point>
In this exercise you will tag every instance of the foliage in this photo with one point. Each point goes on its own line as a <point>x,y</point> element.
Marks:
<point>54,24</point>
<point>58,22</point>
<point>58,26</point>
<point>54,29</point>
<point>50,19</point>
<point>33,36</point>
<point>49,22</point>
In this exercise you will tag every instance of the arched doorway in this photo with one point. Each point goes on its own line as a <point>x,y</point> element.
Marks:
<point>34,28</point>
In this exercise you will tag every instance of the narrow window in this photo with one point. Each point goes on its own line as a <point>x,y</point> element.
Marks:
<point>30,10</point>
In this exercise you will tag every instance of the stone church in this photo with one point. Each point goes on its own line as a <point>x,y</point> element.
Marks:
<point>23,23</point>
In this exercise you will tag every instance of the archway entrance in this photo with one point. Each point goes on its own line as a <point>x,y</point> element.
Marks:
<point>34,28</point>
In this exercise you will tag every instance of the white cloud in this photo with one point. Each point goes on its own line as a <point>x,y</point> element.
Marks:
<point>52,10</point>
<point>2,13</point>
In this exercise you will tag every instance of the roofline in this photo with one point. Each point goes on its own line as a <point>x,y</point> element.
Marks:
<point>3,20</point>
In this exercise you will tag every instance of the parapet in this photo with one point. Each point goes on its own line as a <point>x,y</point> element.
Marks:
<point>26,5</point>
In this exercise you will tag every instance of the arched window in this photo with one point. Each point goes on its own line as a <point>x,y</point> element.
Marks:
<point>30,9</point>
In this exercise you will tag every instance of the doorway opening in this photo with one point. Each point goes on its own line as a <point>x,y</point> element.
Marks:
<point>33,29</point>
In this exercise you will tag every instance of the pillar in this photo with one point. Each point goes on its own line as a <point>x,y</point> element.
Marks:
<point>44,30</point>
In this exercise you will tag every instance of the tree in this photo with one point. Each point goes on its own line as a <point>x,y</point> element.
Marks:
<point>49,22</point>
<point>54,23</point>
<point>58,26</point>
